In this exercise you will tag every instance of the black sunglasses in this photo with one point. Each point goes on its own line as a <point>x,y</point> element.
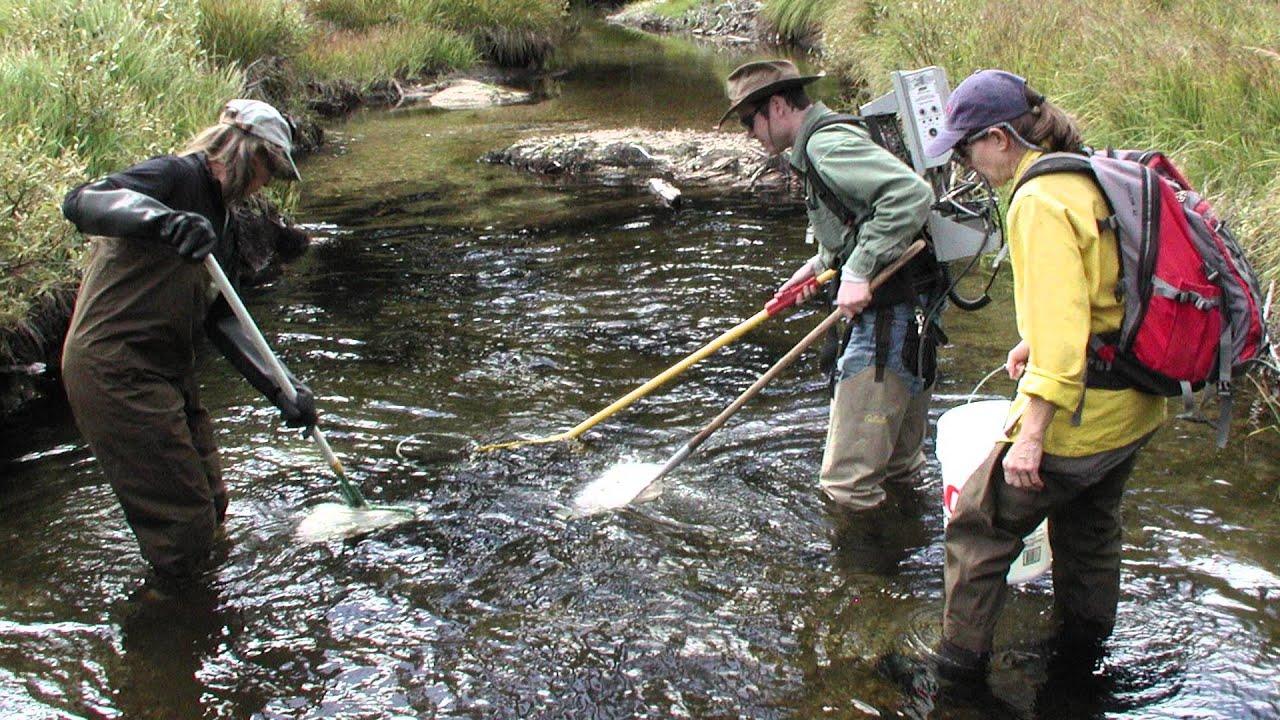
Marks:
<point>749,120</point>
<point>277,166</point>
<point>961,148</point>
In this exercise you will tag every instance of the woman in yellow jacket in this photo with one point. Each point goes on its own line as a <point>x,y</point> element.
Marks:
<point>1068,452</point>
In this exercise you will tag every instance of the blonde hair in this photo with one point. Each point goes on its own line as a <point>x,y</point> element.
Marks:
<point>234,149</point>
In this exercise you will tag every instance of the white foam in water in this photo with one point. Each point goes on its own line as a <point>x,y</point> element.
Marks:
<point>621,484</point>
<point>334,521</point>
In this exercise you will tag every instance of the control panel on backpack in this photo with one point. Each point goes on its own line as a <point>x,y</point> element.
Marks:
<point>964,222</point>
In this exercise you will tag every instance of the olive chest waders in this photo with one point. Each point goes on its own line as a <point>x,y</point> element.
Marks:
<point>878,419</point>
<point>130,379</point>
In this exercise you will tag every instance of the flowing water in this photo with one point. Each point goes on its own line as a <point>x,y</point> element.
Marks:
<point>447,304</point>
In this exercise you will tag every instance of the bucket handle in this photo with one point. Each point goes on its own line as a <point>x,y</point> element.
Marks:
<point>974,393</point>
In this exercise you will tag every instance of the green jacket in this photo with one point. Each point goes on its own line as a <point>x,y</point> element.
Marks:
<point>889,201</point>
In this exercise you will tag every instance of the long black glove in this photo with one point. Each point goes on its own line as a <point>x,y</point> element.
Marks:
<point>229,336</point>
<point>99,209</point>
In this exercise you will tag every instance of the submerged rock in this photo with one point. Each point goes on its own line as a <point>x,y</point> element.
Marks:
<point>463,94</point>
<point>730,22</point>
<point>682,156</point>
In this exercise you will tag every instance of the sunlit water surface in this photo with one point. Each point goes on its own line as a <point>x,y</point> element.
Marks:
<point>448,304</point>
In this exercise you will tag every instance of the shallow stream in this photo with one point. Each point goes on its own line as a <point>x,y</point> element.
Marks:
<point>448,303</point>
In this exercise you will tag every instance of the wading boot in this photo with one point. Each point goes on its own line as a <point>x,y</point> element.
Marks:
<point>862,434</point>
<point>956,666</point>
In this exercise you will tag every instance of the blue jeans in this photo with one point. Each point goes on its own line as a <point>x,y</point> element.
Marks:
<point>860,353</point>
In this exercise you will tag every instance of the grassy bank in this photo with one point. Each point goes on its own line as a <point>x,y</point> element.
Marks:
<point>93,85</point>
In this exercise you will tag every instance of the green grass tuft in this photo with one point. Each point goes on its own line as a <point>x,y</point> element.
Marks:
<point>385,52</point>
<point>796,20</point>
<point>243,31</point>
<point>356,14</point>
<point>507,32</point>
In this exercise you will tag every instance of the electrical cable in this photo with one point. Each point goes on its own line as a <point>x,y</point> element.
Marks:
<point>934,309</point>
<point>974,393</point>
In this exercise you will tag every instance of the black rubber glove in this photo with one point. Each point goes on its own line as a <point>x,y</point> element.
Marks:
<point>100,209</point>
<point>231,339</point>
<point>301,412</point>
<point>190,234</point>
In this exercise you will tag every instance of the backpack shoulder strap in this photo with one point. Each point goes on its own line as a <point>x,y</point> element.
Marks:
<point>1062,162</point>
<point>1056,163</point>
<point>814,178</point>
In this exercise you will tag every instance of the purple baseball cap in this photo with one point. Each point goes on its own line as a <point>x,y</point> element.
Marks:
<point>984,99</point>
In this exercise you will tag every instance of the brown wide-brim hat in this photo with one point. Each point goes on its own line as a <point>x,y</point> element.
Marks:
<point>760,79</point>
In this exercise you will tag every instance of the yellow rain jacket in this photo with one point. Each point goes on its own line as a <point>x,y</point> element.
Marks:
<point>1064,280</point>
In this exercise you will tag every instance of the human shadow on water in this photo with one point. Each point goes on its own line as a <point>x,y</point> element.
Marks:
<point>1091,683</point>
<point>1041,680</point>
<point>166,635</point>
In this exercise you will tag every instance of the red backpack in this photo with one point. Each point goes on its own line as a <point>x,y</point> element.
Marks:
<point>1192,304</point>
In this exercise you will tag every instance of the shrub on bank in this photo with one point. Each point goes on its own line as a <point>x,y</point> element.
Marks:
<point>1199,79</point>
<point>89,87</point>
<point>36,244</point>
<point>243,31</point>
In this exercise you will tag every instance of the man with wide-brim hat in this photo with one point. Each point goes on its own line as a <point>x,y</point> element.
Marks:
<point>755,81</point>
<point>865,207</point>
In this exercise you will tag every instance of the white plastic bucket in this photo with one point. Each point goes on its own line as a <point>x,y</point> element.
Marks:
<point>966,434</point>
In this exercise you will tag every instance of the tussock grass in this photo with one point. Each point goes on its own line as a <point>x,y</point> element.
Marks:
<point>796,20</point>
<point>508,32</point>
<point>384,52</point>
<point>243,31</point>
<point>108,80</point>
<point>1199,79</point>
<point>356,14</point>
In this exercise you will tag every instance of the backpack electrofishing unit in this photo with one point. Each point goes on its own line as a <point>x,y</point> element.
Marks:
<point>965,220</point>
<point>1193,310</point>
